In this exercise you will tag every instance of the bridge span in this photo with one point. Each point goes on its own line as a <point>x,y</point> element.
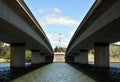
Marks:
<point>99,28</point>
<point>19,28</point>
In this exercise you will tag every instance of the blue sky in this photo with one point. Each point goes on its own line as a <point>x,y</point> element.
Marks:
<point>59,17</point>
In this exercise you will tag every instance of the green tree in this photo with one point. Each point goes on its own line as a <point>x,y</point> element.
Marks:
<point>56,49</point>
<point>7,56</point>
<point>1,48</point>
<point>114,50</point>
<point>4,49</point>
<point>28,55</point>
<point>59,49</point>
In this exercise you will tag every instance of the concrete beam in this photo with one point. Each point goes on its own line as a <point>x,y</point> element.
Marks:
<point>101,26</point>
<point>101,52</point>
<point>17,58</point>
<point>22,26</point>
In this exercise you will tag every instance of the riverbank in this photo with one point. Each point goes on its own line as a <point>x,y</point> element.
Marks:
<point>2,60</point>
<point>61,59</point>
<point>91,59</point>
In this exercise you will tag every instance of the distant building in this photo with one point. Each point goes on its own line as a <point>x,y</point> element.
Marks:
<point>59,57</point>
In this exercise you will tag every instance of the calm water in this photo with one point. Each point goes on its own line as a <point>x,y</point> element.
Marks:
<point>60,72</point>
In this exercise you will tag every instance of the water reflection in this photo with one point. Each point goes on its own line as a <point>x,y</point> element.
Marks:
<point>60,72</point>
<point>55,72</point>
<point>111,74</point>
<point>7,74</point>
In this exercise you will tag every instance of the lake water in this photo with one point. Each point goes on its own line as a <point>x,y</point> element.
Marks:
<point>60,72</point>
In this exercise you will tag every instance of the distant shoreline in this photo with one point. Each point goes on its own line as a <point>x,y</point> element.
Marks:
<point>2,60</point>
<point>90,59</point>
<point>112,60</point>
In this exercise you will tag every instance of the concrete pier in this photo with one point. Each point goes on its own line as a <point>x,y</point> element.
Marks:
<point>77,58</point>
<point>83,56</point>
<point>101,53</point>
<point>69,58</point>
<point>49,59</point>
<point>37,57</point>
<point>17,59</point>
<point>42,58</point>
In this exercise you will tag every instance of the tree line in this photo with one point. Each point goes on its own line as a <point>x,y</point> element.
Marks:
<point>5,51</point>
<point>114,51</point>
<point>59,49</point>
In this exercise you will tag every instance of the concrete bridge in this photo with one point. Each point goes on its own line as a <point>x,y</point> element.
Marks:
<point>100,27</point>
<point>19,28</point>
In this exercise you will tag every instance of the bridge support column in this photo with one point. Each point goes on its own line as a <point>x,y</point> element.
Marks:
<point>37,57</point>
<point>83,56</point>
<point>77,58</point>
<point>69,59</point>
<point>49,59</point>
<point>101,54</point>
<point>17,59</point>
<point>42,59</point>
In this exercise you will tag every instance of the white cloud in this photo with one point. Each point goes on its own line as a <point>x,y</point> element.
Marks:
<point>65,42</point>
<point>55,17</point>
<point>49,11</point>
<point>118,43</point>
<point>71,33</point>
<point>54,39</point>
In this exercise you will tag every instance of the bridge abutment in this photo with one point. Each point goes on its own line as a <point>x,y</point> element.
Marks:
<point>17,59</point>
<point>101,53</point>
